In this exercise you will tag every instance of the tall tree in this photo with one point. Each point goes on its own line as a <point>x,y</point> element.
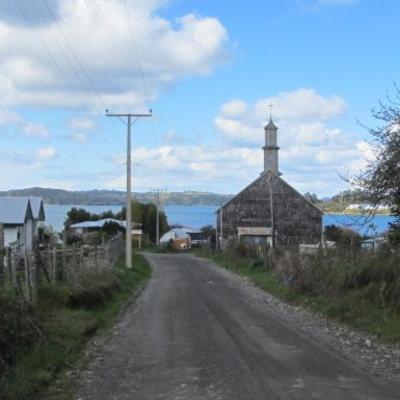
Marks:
<point>381,177</point>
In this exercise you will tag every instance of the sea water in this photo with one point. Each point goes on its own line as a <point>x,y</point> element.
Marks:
<point>198,216</point>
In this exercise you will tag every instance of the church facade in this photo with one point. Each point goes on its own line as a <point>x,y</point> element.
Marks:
<point>269,210</point>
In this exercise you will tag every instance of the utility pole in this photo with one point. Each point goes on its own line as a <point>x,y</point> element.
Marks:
<point>271,210</point>
<point>221,228</point>
<point>157,191</point>
<point>128,232</point>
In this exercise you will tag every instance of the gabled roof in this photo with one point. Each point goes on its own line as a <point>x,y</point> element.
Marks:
<point>15,210</point>
<point>178,233</point>
<point>37,208</point>
<point>262,176</point>
<point>97,224</point>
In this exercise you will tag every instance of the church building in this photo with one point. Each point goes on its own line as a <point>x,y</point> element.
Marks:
<point>269,210</point>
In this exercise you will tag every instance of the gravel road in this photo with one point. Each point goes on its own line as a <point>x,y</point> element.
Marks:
<point>195,333</point>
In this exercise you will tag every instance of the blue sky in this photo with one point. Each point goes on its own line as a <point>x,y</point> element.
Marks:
<point>208,69</point>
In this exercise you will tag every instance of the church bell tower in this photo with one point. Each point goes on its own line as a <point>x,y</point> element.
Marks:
<point>271,149</point>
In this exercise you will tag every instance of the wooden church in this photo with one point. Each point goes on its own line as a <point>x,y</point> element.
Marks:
<point>269,210</point>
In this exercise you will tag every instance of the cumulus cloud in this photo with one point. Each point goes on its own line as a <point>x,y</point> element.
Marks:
<point>301,113</point>
<point>36,130</point>
<point>39,67</point>
<point>11,119</point>
<point>46,153</point>
<point>196,167</point>
<point>314,151</point>
<point>78,137</point>
<point>81,123</point>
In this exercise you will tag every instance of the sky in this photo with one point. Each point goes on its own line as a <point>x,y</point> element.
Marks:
<point>208,69</point>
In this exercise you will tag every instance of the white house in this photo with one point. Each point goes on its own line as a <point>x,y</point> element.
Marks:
<point>18,221</point>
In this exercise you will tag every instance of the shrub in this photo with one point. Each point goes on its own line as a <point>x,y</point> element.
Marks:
<point>93,289</point>
<point>19,328</point>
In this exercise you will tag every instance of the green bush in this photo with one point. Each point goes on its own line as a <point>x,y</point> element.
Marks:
<point>93,289</point>
<point>19,328</point>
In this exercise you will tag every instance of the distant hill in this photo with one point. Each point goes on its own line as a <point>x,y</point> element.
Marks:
<point>115,197</point>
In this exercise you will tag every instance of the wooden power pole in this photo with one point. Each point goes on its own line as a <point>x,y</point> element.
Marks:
<point>128,233</point>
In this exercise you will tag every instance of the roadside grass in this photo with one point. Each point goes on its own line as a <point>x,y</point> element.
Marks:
<point>65,319</point>
<point>369,304</point>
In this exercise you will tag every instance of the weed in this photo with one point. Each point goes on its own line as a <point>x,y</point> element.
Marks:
<point>38,341</point>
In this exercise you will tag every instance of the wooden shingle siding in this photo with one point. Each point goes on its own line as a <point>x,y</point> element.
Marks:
<point>296,220</point>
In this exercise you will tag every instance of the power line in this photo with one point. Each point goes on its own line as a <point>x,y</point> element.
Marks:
<point>78,61</point>
<point>54,61</point>
<point>61,32</point>
<point>143,78</point>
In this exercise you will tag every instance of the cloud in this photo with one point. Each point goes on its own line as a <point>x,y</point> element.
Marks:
<point>46,153</point>
<point>314,152</point>
<point>225,169</point>
<point>36,130</point>
<point>301,113</point>
<point>11,119</point>
<point>81,124</point>
<point>234,108</point>
<point>78,137</point>
<point>52,66</point>
<point>170,137</point>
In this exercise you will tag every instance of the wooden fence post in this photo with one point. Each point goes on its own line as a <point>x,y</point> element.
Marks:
<point>63,261</point>
<point>82,266</point>
<point>95,257</point>
<point>33,275</point>
<point>107,254</point>
<point>54,265</point>
<point>13,265</point>
<point>27,276</point>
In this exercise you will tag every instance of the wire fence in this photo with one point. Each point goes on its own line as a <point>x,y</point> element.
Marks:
<point>25,271</point>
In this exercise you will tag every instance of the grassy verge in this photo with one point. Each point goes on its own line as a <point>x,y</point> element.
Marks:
<point>63,320</point>
<point>361,305</point>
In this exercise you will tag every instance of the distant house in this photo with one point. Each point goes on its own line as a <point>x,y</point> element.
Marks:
<point>18,221</point>
<point>180,237</point>
<point>87,227</point>
<point>81,228</point>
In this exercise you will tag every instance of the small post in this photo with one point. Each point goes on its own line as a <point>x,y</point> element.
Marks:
<point>33,275</point>
<point>63,261</point>
<point>81,260</point>
<point>95,256</point>
<point>107,255</point>
<point>27,276</point>
<point>14,270</point>
<point>54,265</point>
<point>8,264</point>
<point>221,228</point>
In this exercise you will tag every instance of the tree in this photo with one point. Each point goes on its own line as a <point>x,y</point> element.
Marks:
<point>76,215</point>
<point>381,177</point>
<point>146,215</point>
